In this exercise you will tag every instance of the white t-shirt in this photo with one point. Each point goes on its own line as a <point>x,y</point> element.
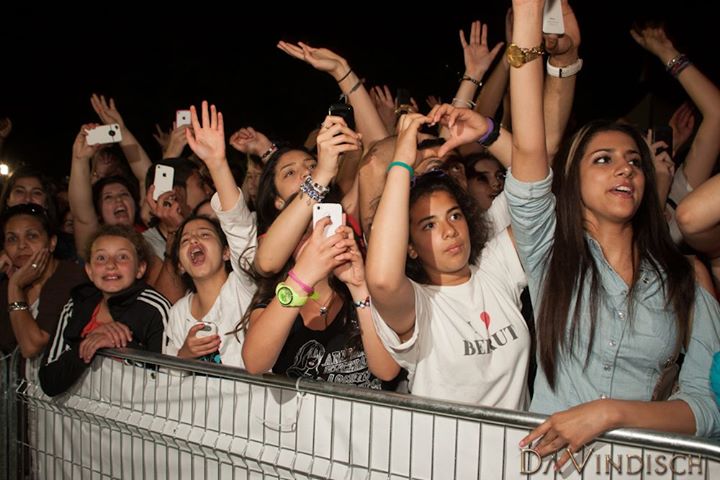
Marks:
<point>470,343</point>
<point>498,214</point>
<point>235,295</point>
<point>157,242</point>
<point>679,189</point>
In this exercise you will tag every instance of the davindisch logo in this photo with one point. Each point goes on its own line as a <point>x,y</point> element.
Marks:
<point>656,463</point>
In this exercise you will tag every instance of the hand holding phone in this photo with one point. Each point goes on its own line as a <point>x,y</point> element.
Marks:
<point>332,210</point>
<point>104,134</point>
<point>208,330</point>
<point>665,134</point>
<point>345,111</point>
<point>164,178</point>
<point>182,117</point>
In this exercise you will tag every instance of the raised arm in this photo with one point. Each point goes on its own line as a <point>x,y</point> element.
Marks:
<point>134,152</point>
<point>704,93</point>
<point>529,156</point>
<point>369,123</point>
<point>477,57</point>
<point>391,290</point>
<point>495,88</point>
<point>288,228</point>
<point>564,63</point>
<point>85,217</point>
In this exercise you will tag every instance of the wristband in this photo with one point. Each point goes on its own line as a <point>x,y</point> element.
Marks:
<point>403,165</point>
<point>564,72</point>
<point>306,288</point>
<point>18,306</point>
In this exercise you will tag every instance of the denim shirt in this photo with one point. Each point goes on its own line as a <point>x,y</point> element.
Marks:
<point>627,355</point>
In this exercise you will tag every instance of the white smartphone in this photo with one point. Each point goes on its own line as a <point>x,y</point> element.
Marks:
<point>182,117</point>
<point>208,330</point>
<point>553,18</point>
<point>104,134</point>
<point>332,210</point>
<point>164,178</point>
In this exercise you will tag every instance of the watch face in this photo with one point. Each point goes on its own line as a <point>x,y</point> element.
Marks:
<point>515,56</point>
<point>284,295</point>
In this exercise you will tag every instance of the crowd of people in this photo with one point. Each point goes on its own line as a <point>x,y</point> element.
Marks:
<point>487,253</point>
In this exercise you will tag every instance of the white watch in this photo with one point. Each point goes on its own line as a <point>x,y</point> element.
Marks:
<point>563,72</point>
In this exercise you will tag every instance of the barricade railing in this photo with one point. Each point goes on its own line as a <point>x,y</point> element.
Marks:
<point>152,416</point>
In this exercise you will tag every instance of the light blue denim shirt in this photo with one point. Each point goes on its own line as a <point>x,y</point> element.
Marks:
<point>627,356</point>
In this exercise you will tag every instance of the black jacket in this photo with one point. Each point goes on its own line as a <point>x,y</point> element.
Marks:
<point>140,307</point>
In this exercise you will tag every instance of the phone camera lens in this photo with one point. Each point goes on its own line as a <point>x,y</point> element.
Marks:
<point>111,133</point>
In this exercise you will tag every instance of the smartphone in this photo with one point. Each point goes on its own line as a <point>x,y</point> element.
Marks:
<point>663,133</point>
<point>208,330</point>
<point>104,134</point>
<point>345,111</point>
<point>553,18</point>
<point>164,178</point>
<point>182,117</point>
<point>403,104</point>
<point>332,210</point>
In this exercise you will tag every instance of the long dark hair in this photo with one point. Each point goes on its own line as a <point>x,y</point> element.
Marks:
<point>571,264</point>
<point>436,181</point>
<point>267,192</point>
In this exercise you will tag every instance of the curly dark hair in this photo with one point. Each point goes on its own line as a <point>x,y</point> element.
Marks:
<point>436,181</point>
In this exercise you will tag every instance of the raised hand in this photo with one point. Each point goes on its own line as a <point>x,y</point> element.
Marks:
<point>107,111</point>
<point>81,149</point>
<point>196,347</point>
<point>207,140</point>
<point>249,140</point>
<point>384,102</point>
<point>432,101</point>
<point>352,271</point>
<point>320,58</point>
<point>476,54</point>
<point>682,123</point>
<point>406,145</point>
<point>334,138</point>
<point>33,269</point>
<point>564,47</point>
<point>464,125</point>
<point>655,41</point>
<point>176,142</point>
<point>161,137</point>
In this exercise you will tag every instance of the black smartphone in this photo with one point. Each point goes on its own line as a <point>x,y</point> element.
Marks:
<point>345,111</point>
<point>663,133</point>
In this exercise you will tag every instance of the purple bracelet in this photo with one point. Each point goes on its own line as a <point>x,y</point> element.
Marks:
<point>306,288</point>
<point>489,130</point>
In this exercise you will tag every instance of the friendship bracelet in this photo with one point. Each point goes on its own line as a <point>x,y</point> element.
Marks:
<point>265,156</point>
<point>362,303</point>
<point>678,64</point>
<point>345,76</point>
<point>403,165</point>
<point>313,189</point>
<point>478,83</point>
<point>306,288</point>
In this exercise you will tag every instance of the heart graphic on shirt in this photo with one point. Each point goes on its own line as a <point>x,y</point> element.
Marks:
<point>485,317</point>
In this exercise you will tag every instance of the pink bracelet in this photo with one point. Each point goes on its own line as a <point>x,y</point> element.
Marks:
<point>307,288</point>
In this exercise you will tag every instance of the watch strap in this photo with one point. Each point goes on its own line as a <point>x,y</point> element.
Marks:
<point>564,72</point>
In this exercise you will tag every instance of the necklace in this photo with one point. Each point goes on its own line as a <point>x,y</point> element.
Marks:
<point>324,309</point>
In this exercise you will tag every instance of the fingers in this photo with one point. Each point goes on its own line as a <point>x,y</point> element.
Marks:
<point>205,114</point>
<point>539,431</point>
<point>194,329</point>
<point>463,42</point>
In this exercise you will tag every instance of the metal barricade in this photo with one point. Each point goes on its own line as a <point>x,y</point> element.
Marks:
<point>151,416</point>
<point>5,391</point>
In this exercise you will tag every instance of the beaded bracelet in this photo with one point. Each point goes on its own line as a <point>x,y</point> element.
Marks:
<point>265,156</point>
<point>17,306</point>
<point>678,64</point>
<point>313,189</point>
<point>362,303</point>
<point>469,103</point>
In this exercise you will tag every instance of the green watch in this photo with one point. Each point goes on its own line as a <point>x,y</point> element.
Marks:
<point>289,297</point>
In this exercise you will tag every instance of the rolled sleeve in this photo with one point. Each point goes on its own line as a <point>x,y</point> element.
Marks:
<point>694,375</point>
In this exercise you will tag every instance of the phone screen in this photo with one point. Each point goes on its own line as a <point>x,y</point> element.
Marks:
<point>663,133</point>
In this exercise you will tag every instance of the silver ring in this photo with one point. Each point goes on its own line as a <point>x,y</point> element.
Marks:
<point>33,265</point>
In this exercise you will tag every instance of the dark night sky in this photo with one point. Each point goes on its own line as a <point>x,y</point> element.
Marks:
<point>154,66</point>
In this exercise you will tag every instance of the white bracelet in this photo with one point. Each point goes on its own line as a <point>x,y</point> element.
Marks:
<point>564,72</point>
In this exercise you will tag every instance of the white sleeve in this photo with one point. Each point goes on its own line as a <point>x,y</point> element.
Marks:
<point>498,214</point>
<point>240,227</point>
<point>405,353</point>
